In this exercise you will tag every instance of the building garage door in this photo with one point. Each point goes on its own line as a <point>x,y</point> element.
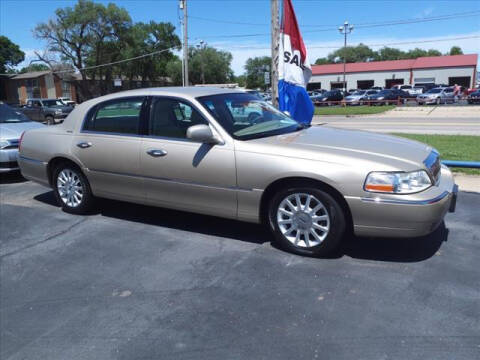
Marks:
<point>459,80</point>
<point>391,82</point>
<point>314,86</point>
<point>337,85</point>
<point>364,84</point>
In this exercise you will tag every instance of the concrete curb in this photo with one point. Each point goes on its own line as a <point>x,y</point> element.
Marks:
<point>470,183</point>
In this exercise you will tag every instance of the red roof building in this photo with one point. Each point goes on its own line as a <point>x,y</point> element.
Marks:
<point>449,70</point>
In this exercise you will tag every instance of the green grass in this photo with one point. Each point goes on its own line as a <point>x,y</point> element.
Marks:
<point>352,110</point>
<point>452,147</point>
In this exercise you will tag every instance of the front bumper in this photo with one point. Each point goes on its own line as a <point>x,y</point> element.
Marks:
<point>404,215</point>
<point>8,160</point>
<point>426,100</point>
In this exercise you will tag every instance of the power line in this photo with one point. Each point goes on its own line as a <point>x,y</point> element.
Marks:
<point>384,44</point>
<point>116,62</point>
<point>335,28</point>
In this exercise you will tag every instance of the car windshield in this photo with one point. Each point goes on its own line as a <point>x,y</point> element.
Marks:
<point>52,103</point>
<point>329,93</point>
<point>10,115</point>
<point>434,91</point>
<point>245,117</point>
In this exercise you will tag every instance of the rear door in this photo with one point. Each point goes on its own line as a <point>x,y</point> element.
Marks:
<point>32,110</point>
<point>181,173</point>
<point>108,145</point>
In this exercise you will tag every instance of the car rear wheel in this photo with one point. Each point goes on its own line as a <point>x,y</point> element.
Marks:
<point>306,221</point>
<point>72,189</point>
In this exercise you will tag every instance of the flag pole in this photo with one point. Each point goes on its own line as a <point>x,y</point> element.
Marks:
<point>275,30</point>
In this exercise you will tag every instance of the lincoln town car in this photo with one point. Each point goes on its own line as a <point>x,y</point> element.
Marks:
<point>228,153</point>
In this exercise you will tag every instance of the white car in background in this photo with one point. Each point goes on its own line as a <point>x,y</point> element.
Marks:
<point>358,97</point>
<point>440,95</point>
<point>13,124</point>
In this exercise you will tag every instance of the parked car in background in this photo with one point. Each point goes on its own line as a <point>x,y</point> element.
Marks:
<point>379,88</point>
<point>328,98</point>
<point>314,93</point>
<point>182,148</point>
<point>358,97</point>
<point>67,101</point>
<point>411,90</point>
<point>387,97</point>
<point>474,97</point>
<point>12,125</point>
<point>46,110</point>
<point>440,95</point>
<point>472,90</point>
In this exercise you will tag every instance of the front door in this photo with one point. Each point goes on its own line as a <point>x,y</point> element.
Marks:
<point>180,173</point>
<point>33,109</point>
<point>108,146</point>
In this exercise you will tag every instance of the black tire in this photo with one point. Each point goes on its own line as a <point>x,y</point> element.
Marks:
<point>87,200</point>
<point>437,102</point>
<point>333,209</point>
<point>50,120</point>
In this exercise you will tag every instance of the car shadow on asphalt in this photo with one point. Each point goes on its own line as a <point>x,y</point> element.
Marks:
<point>405,250</point>
<point>13,177</point>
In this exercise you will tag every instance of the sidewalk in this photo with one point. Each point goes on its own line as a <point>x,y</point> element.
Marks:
<point>470,183</point>
<point>433,111</point>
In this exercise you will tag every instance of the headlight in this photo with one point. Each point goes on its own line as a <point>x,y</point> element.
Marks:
<point>397,183</point>
<point>4,144</point>
<point>380,98</point>
<point>58,111</point>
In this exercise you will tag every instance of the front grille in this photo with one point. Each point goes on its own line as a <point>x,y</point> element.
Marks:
<point>8,165</point>
<point>432,162</point>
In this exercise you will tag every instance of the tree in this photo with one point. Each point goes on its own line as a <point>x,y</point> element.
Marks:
<point>322,61</point>
<point>255,69</point>
<point>456,50</point>
<point>145,39</point>
<point>10,54</point>
<point>388,53</point>
<point>85,35</point>
<point>357,53</point>
<point>34,67</point>
<point>241,80</point>
<point>174,71</point>
<point>208,65</point>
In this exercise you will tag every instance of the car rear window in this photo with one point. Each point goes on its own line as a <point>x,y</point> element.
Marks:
<point>120,116</point>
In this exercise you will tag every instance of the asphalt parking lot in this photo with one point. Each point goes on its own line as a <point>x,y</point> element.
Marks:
<point>136,282</point>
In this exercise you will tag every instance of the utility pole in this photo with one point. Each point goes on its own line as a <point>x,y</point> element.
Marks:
<point>275,30</point>
<point>345,30</point>
<point>183,6</point>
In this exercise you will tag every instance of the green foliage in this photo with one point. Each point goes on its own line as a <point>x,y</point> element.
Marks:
<point>363,53</point>
<point>174,71</point>
<point>208,65</point>
<point>352,110</point>
<point>91,34</point>
<point>358,53</point>
<point>34,67</point>
<point>10,54</point>
<point>255,71</point>
<point>455,50</point>
<point>241,80</point>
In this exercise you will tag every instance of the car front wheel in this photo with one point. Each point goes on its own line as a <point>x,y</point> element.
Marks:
<point>306,221</point>
<point>72,189</point>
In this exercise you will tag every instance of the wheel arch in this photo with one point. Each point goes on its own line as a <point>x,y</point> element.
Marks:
<point>54,162</point>
<point>278,184</point>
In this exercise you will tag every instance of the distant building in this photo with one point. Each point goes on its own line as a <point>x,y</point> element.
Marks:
<point>448,70</point>
<point>17,88</point>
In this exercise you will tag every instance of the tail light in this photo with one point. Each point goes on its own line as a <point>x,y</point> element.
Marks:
<point>20,141</point>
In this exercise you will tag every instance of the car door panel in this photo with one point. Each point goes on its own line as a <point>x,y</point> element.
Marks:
<point>183,174</point>
<point>191,176</point>
<point>108,147</point>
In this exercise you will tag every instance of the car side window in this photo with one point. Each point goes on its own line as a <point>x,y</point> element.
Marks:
<point>37,103</point>
<point>171,118</point>
<point>116,116</point>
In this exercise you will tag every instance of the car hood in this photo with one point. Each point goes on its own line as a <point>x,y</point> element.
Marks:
<point>346,147</point>
<point>15,130</point>
<point>353,97</point>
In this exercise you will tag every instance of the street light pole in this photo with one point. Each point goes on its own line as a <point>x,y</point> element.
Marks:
<point>345,30</point>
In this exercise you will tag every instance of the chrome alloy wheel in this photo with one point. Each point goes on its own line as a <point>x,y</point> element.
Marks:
<point>303,220</point>
<point>70,187</point>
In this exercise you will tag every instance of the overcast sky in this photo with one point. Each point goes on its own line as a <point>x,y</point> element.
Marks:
<point>242,27</point>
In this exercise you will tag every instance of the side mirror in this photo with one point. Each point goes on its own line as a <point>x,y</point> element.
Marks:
<point>202,133</point>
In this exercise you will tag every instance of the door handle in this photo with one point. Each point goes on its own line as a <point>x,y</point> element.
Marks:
<point>84,145</point>
<point>156,153</point>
